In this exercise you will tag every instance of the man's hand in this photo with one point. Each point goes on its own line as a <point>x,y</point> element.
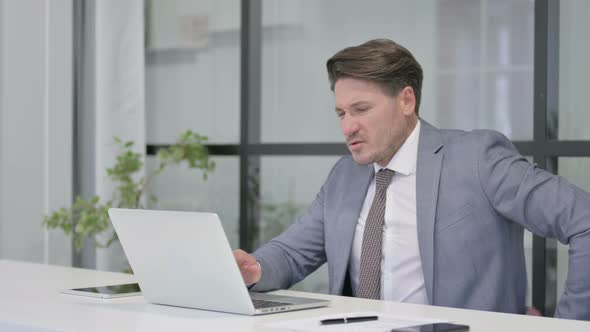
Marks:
<point>249,267</point>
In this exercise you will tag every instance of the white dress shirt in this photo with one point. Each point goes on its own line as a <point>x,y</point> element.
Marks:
<point>402,279</point>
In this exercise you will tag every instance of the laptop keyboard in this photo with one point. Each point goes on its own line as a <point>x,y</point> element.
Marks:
<point>260,304</point>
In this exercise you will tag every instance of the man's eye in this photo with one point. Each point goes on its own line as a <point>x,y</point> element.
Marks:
<point>340,114</point>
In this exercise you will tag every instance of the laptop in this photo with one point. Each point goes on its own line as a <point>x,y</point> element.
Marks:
<point>184,259</point>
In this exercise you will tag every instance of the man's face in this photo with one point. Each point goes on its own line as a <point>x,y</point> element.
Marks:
<point>374,124</point>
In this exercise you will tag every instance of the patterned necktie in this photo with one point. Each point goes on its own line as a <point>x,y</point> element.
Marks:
<point>369,286</point>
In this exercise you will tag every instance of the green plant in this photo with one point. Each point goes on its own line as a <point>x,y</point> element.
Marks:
<point>87,218</point>
<point>276,217</point>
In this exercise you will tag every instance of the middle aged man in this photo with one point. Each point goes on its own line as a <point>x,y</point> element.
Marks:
<point>419,214</point>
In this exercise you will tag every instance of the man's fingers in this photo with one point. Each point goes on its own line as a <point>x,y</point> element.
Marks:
<point>248,266</point>
<point>248,273</point>
<point>251,274</point>
<point>243,258</point>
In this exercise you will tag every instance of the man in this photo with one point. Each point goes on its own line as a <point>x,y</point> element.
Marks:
<point>419,214</point>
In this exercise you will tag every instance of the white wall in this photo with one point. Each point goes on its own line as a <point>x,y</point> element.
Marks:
<point>35,127</point>
<point>114,96</point>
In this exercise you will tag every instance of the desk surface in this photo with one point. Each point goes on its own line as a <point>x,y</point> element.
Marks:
<point>29,296</point>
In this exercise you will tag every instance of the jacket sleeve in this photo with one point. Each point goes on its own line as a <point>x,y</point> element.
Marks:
<point>297,252</point>
<point>545,204</point>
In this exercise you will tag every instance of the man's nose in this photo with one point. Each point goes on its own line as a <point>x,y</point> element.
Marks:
<point>349,126</point>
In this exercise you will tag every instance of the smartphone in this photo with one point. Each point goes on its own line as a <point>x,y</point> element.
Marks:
<point>106,292</point>
<point>438,327</point>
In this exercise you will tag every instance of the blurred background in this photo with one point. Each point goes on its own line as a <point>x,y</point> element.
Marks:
<point>250,75</point>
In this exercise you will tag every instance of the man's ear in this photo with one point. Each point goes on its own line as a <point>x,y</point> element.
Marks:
<point>407,100</point>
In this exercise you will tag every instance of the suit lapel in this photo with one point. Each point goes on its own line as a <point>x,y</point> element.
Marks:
<point>352,203</point>
<point>428,168</point>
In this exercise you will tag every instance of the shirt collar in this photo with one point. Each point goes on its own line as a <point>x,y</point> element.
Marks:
<point>404,160</point>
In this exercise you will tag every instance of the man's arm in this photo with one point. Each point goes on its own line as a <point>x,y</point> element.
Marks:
<point>298,251</point>
<point>294,254</point>
<point>545,204</point>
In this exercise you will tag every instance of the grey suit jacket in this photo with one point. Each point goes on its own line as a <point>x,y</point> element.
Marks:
<point>474,195</point>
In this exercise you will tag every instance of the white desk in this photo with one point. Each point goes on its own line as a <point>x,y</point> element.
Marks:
<point>29,296</point>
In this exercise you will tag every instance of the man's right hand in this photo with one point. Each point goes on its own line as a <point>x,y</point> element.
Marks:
<point>249,267</point>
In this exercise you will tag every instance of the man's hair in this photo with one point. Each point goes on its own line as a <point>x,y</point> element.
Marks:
<point>382,61</point>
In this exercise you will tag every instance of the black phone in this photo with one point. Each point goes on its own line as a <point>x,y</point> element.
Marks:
<point>438,327</point>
